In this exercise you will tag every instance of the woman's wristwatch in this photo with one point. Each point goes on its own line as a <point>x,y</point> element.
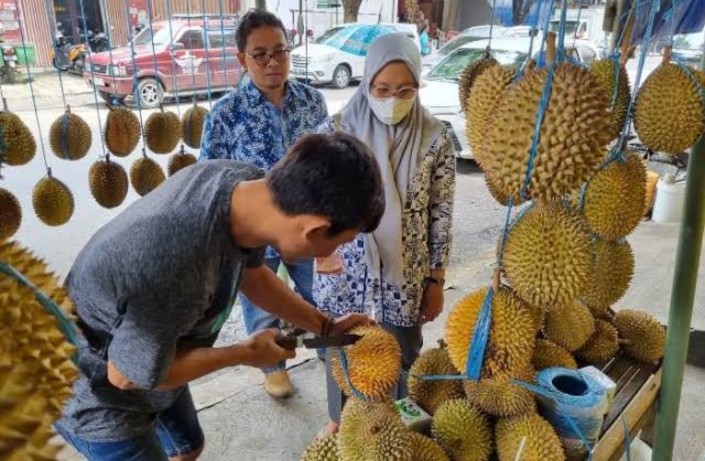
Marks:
<point>437,280</point>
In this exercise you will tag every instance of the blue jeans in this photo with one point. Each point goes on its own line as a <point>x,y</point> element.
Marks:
<point>257,319</point>
<point>176,432</point>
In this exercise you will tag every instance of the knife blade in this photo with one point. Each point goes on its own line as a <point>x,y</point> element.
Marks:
<point>293,342</point>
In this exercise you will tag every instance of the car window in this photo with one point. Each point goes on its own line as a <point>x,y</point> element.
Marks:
<point>328,34</point>
<point>221,38</point>
<point>456,43</point>
<point>192,40</point>
<point>160,35</point>
<point>452,66</point>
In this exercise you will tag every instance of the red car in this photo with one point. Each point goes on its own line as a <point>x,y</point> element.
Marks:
<point>192,56</point>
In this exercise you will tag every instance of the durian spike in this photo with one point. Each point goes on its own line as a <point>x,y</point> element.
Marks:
<point>667,54</point>
<point>550,49</point>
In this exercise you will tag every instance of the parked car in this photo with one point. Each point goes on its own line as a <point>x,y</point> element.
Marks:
<point>192,57</point>
<point>439,90</point>
<point>326,62</point>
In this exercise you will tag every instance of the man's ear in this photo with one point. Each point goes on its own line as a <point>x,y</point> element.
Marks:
<point>315,227</point>
<point>242,58</point>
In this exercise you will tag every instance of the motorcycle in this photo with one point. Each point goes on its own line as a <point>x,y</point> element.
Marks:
<point>67,57</point>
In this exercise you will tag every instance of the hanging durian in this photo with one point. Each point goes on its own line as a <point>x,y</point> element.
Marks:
<point>162,131</point>
<point>614,80</point>
<point>122,131</point>
<point>547,257</point>
<point>539,439</point>
<point>53,201</point>
<point>10,214</point>
<point>180,161</point>
<point>146,175</point>
<point>549,354</point>
<point>108,183</point>
<point>614,198</point>
<point>463,431</point>
<point>500,395</point>
<point>430,394</point>
<point>470,75</point>
<point>374,363</point>
<point>643,337</point>
<point>17,144</point>
<point>322,449</point>
<point>70,137</point>
<point>570,326</point>
<point>611,273</point>
<point>192,124</point>
<point>602,346</point>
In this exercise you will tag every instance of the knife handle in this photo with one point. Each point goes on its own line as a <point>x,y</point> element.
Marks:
<point>286,342</point>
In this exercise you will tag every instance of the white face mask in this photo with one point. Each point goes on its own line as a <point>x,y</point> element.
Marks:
<point>391,111</point>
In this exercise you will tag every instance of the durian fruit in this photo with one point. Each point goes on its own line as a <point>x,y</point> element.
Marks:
<point>602,346</point>
<point>511,340</point>
<point>52,201</point>
<point>322,449</point>
<point>601,312</point>
<point>611,274</point>
<point>146,175</point>
<point>572,135</point>
<point>108,183</point>
<point>541,443</point>
<point>469,76</point>
<point>426,449</point>
<point>609,74</point>
<point>192,126</point>
<point>17,140</point>
<point>10,214</point>
<point>374,363</point>
<point>643,336</point>
<point>569,326</point>
<point>614,198</point>
<point>547,257</point>
<point>162,131</point>
<point>70,137</point>
<point>373,432</point>
<point>463,431</point>
<point>549,354</point>
<point>668,116</point>
<point>430,394</point>
<point>180,161</point>
<point>500,395</point>
<point>122,131</point>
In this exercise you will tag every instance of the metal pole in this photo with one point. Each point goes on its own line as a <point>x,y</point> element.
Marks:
<point>682,298</point>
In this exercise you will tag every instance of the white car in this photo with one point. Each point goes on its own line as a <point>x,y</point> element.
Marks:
<point>439,89</point>
<point>323,64</point>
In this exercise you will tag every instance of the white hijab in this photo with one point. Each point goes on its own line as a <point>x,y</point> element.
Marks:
<point>399,150</point>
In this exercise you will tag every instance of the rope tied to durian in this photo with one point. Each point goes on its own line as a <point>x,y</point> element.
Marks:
<point>64,133</point>
<point>346,374</point>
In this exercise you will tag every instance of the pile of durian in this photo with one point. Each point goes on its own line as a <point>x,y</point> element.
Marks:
<point>36,371</point>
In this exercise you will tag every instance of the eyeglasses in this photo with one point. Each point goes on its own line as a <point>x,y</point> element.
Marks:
<point>386,91</point>
<point>264,57</point>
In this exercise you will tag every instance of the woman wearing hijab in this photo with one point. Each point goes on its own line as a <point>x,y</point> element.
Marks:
<point>395,274</point>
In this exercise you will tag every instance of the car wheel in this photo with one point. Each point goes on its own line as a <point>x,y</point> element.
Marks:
<point>341,77</point>
<point>150,93</point>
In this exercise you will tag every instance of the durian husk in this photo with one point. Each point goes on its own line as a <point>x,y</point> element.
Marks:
<point>470,75</point>
<point>547,256</point>
<point>17,139</point>
<point>602,346</point>
<point>146,175</point>
<point>572,136</point>
<point>541,443</point>
<point>549,354</point>
<point>463,431</point>
<point>426,449</point>
<point>611,273</point>
<point>179,161</point>
<point>108,183</point>
<point>500,395</point>
<point>52,201</point>
<point>162,131</point>
<point>430,394</point>
<point>322,449</point>
<point>644,337</point>
<point>569,326</point>
<point>70,137</point>
<point>192,123</point>
<point>669,113</point>
<point>374,363</point>
<point>608,77</point>
<point>122,131</point>
<point>614,198</point>
<point>10,214</point>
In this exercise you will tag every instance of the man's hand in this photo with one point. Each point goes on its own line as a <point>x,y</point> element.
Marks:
<point>262,351</point>
<point>348,321</point>
<point>431,303</point>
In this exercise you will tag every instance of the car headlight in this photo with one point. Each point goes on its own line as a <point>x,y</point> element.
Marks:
<point>119,70</point>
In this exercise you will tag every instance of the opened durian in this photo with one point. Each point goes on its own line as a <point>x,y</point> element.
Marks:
<point>549,354</point>
<point>426,449</point>
<point>52,201</point>
<point>611,274</point>
<point>602,346</point>
<point>146,175</point>
<point>17,140</point>
<point>614,198</point>
<point>192,126</point>
<point>374,363</point>
<point>162,131</point>
<point>500,395</point>
<point>122,131</point>
<point>108,183</point>
<point>611,75</point>
<point>643,336</point>
<point>547,257</point>
<point>322,449</point>
<point>569,326</point>
<point>540,441</point>
<point>180,161</point>
<point>470,75</point>
<point>430,394</point>
<point>10,214</point>
<point>70,137</point>
<point>669,109</point>
<point>463,431</point>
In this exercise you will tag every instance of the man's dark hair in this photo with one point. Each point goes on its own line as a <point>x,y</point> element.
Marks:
<point>254,19</point>
<point>335,176</point>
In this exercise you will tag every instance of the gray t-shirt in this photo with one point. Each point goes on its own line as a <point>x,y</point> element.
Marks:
<point>160,277</point>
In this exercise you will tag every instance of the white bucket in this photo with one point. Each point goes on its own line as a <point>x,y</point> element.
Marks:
<point>668,207</point>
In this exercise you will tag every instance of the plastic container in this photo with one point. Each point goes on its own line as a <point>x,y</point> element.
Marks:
<point>26,53</point>
<point>670,195</point>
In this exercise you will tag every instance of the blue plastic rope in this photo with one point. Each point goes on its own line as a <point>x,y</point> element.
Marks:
<point>173,63</point>
<point>207,57</point>
<point>627,439</point>
<point>64,136</point>
<point>135,90</point>
<point>344,365</point>
<point>52,30</point>
<point>479,339</point>
<point>505,231</point>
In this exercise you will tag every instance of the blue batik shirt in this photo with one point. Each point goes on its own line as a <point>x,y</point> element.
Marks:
<point>246,126</point>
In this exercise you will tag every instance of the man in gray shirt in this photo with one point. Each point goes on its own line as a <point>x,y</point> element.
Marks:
<point>154,286</point>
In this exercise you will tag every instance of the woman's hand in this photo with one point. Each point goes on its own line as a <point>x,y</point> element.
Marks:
<point>431,303</point>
